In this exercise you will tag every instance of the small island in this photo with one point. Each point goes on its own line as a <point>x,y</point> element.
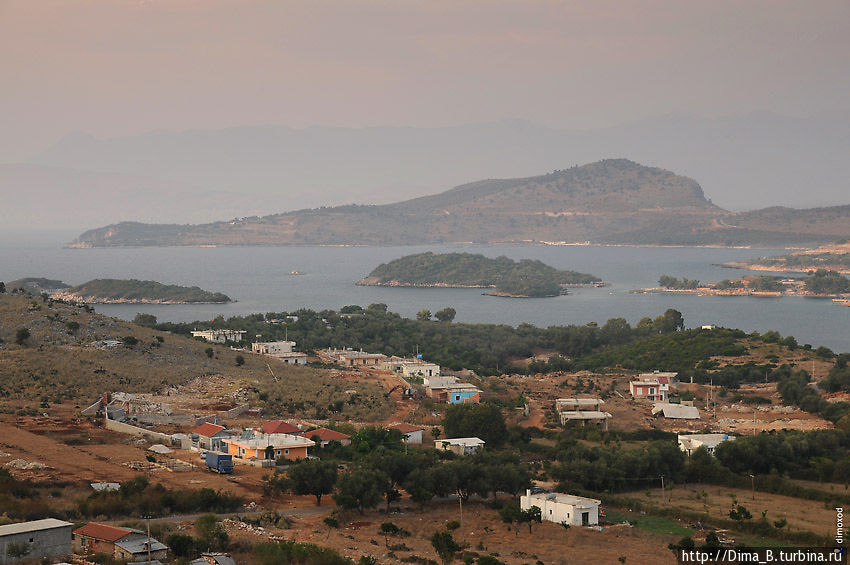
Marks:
<point>513,279</point>
<point>133,291</point>
<point>834,257</point>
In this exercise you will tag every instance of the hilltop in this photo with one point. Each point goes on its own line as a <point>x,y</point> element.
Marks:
<point>527,278</point>
<point>613,201</point>
<point>73,355</point>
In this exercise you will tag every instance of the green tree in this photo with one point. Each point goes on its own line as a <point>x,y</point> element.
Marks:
<point>209,352</point>
<point>181,545</point>
<point>145,320</point>
<point>530,516</point>
<point>739,514</point>
<point>445,546</point>
<point>446,314</point>
<point>211,533</point>
<point>484,421</point>
<point>129,340</point>
<point>22,335</point>
<point>314,477</point>
<point>240,360</point>
<point>359,489</point>
<point>72,326</point>
<point>2,287</point>
<point>423,315</point>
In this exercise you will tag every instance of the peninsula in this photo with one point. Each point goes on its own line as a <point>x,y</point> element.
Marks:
<point>821,284</point>
<point>834,257</point>
<point>508,278</point>
<point>133,291</point>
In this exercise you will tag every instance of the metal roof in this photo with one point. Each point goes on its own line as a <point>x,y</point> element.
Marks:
<point>139,544</point>
<point>34,526</point>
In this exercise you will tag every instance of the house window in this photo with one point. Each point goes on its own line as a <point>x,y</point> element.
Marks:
<point>286,452</point>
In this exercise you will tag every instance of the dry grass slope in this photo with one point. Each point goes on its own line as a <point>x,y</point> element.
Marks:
<point>59,361</point>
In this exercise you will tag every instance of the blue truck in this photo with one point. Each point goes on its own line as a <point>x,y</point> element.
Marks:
<point>220,462</point>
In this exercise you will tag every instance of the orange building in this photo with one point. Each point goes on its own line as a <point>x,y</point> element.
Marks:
<point>268,446</point>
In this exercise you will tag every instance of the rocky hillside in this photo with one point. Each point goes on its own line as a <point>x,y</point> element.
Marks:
<point>611,201</point>
<point>71,354</point>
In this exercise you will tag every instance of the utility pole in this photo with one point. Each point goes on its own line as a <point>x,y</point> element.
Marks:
<point>754,421</point>
<point>662,490</point>
<point>753,482</point>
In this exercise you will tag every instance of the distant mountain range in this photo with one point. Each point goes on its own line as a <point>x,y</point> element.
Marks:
<point>610,201</point>
<point>745,162</point>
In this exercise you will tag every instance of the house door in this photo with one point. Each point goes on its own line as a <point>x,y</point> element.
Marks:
<point>270,452</point>
<point>585,518</point>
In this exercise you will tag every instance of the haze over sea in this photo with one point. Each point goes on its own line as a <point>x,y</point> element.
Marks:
<point>259,279</point>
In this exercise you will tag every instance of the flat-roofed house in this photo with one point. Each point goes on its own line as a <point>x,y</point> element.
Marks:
<point>563,508</point>
<point>461,393</point>
<point>281,350</point>
<point>209,436</point>
<point>38,539</point>
<point>582,410</point>
<point>272,348</point>
<point>220,336</point>
<point>119,543</point>
<point>352,358</point>
<point>420,369</point>
<point>460,445</point>
<point>252,445</point>
<point>647,390</point>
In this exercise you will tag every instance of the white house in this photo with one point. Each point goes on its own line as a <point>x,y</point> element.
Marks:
<point>460,445</point>
<point>281,350</point>
<point>691,442</point>
<point>272,348</point>
<point>563,508</point>
<point>220,336</point>
<point>412,434</point>
<point>420,369</point>
<point>439,381</point>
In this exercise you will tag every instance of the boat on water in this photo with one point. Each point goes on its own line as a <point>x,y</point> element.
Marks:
<point>295,273</point>
<point>841,301</point>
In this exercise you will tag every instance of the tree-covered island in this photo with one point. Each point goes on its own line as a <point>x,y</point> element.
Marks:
<point>516,279</point>
<point>133,291</point>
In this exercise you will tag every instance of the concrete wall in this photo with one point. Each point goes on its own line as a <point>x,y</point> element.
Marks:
<point>55,542</point>
<point>234,412</point>
<point>136,431</point>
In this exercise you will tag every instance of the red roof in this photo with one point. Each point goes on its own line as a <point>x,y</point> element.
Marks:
<point>207,429</point>
<point>406,428</point>
<point>102,532</point>
<point>326,435</point>
<point>279,427</point>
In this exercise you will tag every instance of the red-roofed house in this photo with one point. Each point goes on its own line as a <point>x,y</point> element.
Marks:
<point>209,436</point>
<point>326,436</point>
<point>279,427</point>
<point>119,543</point>
<point>412,434</point>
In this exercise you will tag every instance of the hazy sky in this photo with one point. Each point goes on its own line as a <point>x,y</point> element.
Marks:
<point>121,67</point>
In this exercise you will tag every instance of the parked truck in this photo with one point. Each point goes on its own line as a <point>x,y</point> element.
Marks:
<point>220,462</point>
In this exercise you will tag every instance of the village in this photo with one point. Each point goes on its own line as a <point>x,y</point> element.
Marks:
<point>195,437</point>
